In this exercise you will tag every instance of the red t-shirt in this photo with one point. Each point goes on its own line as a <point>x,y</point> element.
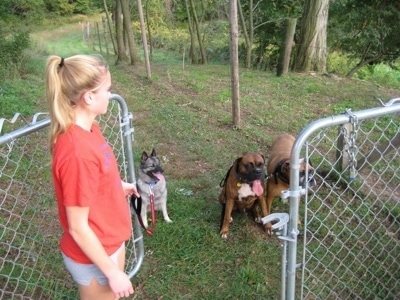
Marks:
<point>85,174</point>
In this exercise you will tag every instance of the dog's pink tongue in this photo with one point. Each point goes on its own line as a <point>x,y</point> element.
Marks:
<point>159,176</point>
<point>257,187</point>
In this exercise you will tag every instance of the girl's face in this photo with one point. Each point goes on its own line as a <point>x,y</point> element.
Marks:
<point>102,95</point>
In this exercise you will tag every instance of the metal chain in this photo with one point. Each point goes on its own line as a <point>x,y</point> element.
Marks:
<point>352,149</point>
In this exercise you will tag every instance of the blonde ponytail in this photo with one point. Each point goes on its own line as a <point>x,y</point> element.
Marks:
<point>66,81</point>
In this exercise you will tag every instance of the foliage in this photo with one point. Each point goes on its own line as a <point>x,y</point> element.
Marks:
<point>384,75</point>
<point>268,19</point>
<point>176,39</point>
<point>12,51</point>
<point>15,13</point>
<point>17,96</point>
<point>82,7</point>
<point>19,13</point>
<point>207,10</point>
<point>341,64</point>
<point>21,72</point>
<point>365,30</point>
<point>67,7</point>
<point>362,30</point>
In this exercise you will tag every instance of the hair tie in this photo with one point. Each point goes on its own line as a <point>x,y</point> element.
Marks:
<point>62,62</point>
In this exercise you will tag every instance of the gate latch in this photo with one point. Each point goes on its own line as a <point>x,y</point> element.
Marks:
<point>281,218</point>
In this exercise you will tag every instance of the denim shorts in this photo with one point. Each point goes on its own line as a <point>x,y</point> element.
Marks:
<point>84,273</point>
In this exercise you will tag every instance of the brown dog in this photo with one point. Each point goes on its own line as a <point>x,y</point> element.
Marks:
<point>243,188</point>
<point>278,171</point>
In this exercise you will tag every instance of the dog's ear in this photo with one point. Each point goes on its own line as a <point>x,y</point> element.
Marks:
<point>153,152</point>
<point>285,166</point>
<point>262,155</point>
<point>144,156</point>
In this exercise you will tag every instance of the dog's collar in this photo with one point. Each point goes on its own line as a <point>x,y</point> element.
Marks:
<point>278,172</point>
<point>151,183</point>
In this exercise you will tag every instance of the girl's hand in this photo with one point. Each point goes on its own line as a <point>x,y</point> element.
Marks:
<point>120,285</point>
<point>130,189</point>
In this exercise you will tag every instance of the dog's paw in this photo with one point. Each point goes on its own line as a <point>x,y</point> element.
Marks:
<point>168,220</point>
<point>258,220</point>
<point>224,236</point>
<point>268,229</point>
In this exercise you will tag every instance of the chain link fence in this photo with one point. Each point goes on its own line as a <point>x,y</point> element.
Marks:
<point>348,246</point>
<point>31,265</point>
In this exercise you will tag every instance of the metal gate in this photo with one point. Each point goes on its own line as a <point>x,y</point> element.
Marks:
<point>31,266</point>
<point>348,243</point>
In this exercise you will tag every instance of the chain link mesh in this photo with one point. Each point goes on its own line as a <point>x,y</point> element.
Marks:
<point>350,241</point>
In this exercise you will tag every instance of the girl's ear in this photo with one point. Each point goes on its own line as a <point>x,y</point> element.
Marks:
<point>88,98</point>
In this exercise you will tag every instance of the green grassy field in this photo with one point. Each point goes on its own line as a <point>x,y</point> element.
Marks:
<point>184,112</point>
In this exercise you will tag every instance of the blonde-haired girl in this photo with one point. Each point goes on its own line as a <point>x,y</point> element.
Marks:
<point>91,196</point>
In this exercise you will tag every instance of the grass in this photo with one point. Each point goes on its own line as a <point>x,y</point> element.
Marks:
<point>185,113</point>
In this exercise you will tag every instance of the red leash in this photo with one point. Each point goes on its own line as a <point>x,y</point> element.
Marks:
<point>136,204</point>
<point>153,211</point>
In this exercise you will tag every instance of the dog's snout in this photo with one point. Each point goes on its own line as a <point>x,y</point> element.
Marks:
<point>258,170</point>
<point>309,180</point>
<point>159,169</point>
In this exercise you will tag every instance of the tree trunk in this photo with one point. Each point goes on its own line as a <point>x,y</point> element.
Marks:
<point>286,48</point>
<point>196,21</point>
<point>121,54</point>
<point>129,32</point>
<point>234,59</point>
<point>149,29</point>
<point>311,52</point>
<point>110,28</point>
<point>247,33</point>
<point>144,39</point>
<point>192,54</point>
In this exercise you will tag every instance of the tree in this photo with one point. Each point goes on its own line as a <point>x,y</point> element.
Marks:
<point>147,8</point>
<point>191,33</point>
<point>261,25</point>
<point>129,32</point>
<point>366,30</point>
<point>234,59</point>
<point>286,47</point>
<point>109,24</point>
<point>121,54</point>
<point>248,31</point>
<point>144,39</point>
<point>312,51</point>
<point>198,31</point>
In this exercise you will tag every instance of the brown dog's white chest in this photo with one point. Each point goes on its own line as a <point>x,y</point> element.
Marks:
<point>245,191</point>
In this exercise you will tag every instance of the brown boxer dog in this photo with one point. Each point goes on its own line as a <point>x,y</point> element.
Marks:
<point>278,171</point>
<point>242,189</point>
